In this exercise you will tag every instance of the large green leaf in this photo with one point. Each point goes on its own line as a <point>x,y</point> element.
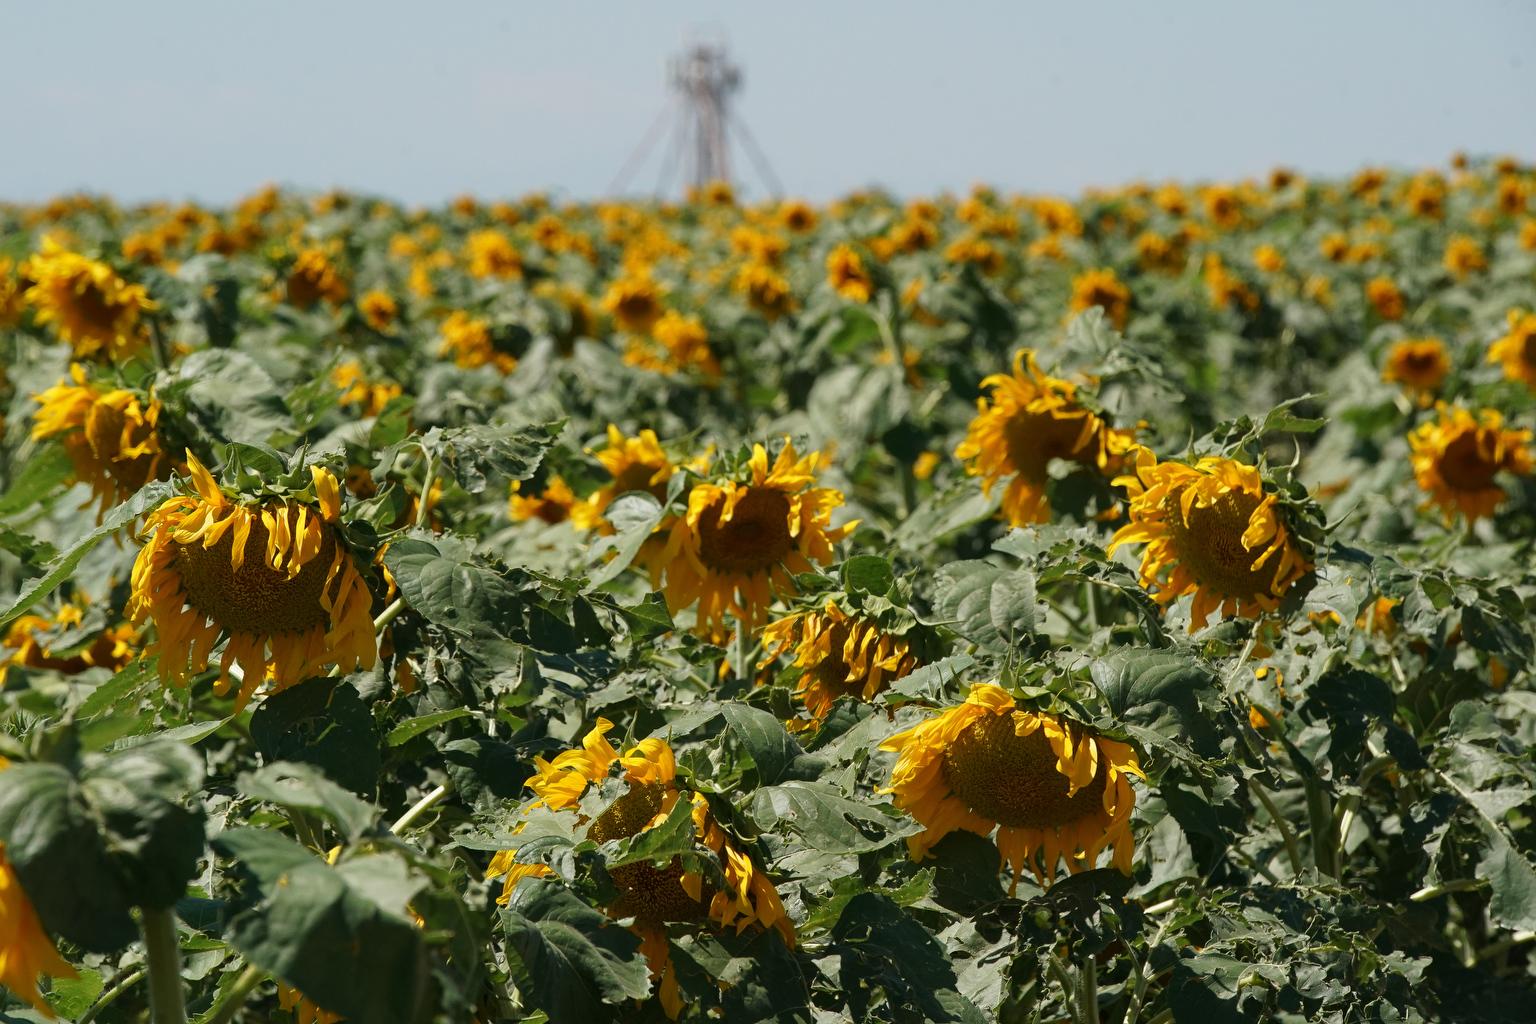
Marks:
<point>576,964</point>
<point>988,604</point>
<point>324,723</point>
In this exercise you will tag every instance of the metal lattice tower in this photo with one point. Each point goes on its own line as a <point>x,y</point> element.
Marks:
<point>703,79</point>
<point>700,123</point>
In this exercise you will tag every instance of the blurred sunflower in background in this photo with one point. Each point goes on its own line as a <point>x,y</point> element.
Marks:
<point>633,464</point>
<point>847,274</point>
<point>26,951</point>
<point>271,576</point>
<point>1210,530</point>
<point>653,895</point>
<point>63,643</point>
<point>468,340</point>
<point>1026,421</point>
<point>90,307</point>
<point>1102,288</point>
<point>634,301</point>
<point>1515,350</point>
<point>741,542</point>
<point>110,434</point>
<point>1420,365</point>
<point>554,504</point>
<point>1050,788</point>
<point>312,278</point>
<point>1456,458</point>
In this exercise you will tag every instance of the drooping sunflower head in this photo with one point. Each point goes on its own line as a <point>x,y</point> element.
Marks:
<point>652,894</point>
<point>1419,365</point>
<point>76,637</point>
<point>90,306</point>
<point>313,277</point>
<point>1050,788</point>
<point>111,434</point>
<point>747,531</point>
<point>1457,459</point>
<point>271,576</point>
<point>835,654</point>
<point>1516,349</point>
<point>1028,420</point>
<point>1102,288</point>
<point>847,274</point>
<point>1212,530</point>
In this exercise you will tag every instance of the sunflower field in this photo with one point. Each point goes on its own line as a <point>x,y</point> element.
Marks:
<point>981,608</point>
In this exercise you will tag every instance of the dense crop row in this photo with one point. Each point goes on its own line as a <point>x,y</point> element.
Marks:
<point>978,608</point>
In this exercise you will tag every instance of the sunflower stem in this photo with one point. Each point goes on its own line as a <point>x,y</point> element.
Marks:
<point>1088,990</point>
<point>1320,818</point>
<point>1292,851</point>
<point>157,343</point>
<point>423,513</point>
<point>1068,984</point>
<point>233,999</point>
<point>107,998</point>
<point>419,808</point>
<point>389,614</point>
<point>162,951</point>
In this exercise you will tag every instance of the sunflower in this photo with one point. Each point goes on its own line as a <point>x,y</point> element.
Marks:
<point>110,435</point>
<point>1210,530</point>
<point>311,278</point>
<point>1456,458</point>
<point>653,896</point>
<point>978,252</point>
<point>12,299</point>
<point>847,274</point>
<point>272,577</point>
<point>25,948</point>
<point>766,290</point>
<point>684,346</point>
<point>797,215</point>
<point>1103,289</point>
<point>741,543</point>
<point>379,309</point>
<point>1051,788</point>
<point>1463,256</point>
<point>1419,364</point>
<point>490,254</point>
<point>837,655</point>
<point>92,308</point>
<point>553,505</point>
<point>1268,259</point>
<point>635,302</point>
<point>1516,350</point>
<point>304,1010</point>
<point>634,464</point>
<point>1029,419</point>
<point>357,391</point>
<point>32,640</point>
<point>468,339</point>
<point>1385,297</point>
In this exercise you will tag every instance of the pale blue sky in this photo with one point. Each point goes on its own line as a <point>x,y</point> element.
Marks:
<point>421,102</point>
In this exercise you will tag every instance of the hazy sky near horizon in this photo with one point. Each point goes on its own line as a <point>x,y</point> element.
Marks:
<point>175,99</point>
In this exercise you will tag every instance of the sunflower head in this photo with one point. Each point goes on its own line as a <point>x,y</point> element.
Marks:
<point>379,309</point>
<point>1212,530</point>
<point>633,464</point>
<point>312,277</point>
<point>491,254</point>
<point>678,343</point>
<point>1385,297</point>
<point>1463,256</point>
<point>28,951</point>
<point>468,339</point>
<point>1050,788</point>
<point>836,653</point>
<point>750,526</point>
<point>1515,351</point>
<point>111,434</point>
<point>1419,365</point>
<point>847,274</point>
<point>766,290</point>
<point>1457,458</point>
<point>1028,420</point>
<point>90,306</point>
<point>271,575</point>
<point>635,302</point>
<point>76,637</point>
<point>653,895</point>
<point>1104,289</point>
<point>552,505</point>
<point>358,391</point>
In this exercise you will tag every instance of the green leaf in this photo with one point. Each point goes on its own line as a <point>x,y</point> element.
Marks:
<point>303,787</point>
<point>123,834</point>
<point>322,722</point>
<point>1130,677</point>
<point>883,948</point>
<point>659,845</point>
<point>512,452</point>
<point>937,517</point>
<point>413,727</point>
<point>60,569</point>
<point>321,929</point>
<point>988,604</point>
<point>772,750</point>
<point>464,597</point>
<point>634,516</point>
<point>576,964</point>
<point>48,469</point>
<point>824,819</point>
<point>871,574</point>
<point>70,997</point>
<point>844,889</point>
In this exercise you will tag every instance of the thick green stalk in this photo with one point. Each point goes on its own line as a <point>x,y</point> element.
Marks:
<point>162,952</point>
